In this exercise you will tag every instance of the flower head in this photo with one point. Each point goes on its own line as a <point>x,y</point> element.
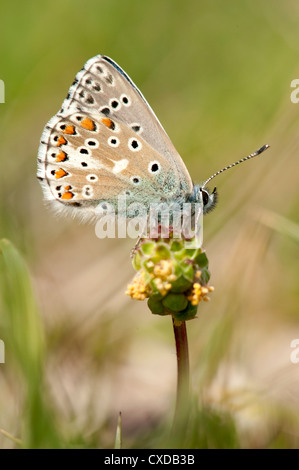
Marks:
<point>172,277</point>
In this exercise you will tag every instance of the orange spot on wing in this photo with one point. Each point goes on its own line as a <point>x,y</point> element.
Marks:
<point>61,157</point>
<point>67,195</point>
<point>67,188</point>
<point>88,124</point>
<point>60,173</point>
<point>108,123</point>
<point>69,130</point>
<point>61,141</point>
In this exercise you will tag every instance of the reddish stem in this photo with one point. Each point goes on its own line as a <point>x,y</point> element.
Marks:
<point>182,353</point>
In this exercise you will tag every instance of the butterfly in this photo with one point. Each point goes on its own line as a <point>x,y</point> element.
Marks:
<point>107,142</point>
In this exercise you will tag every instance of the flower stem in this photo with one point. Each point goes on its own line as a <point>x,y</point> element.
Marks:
<point>182,398</point>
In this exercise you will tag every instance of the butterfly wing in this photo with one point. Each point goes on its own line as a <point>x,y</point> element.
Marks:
<point>106,141</point>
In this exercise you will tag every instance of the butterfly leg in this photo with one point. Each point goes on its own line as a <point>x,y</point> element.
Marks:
<point>140,236</point>
<point>135,249</point>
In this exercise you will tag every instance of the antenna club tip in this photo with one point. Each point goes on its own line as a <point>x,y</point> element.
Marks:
<point>263,148</point>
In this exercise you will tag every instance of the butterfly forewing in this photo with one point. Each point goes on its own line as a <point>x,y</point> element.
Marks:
<point>106,141</point>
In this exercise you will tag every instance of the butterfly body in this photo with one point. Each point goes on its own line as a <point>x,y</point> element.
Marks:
<point>106,142</point>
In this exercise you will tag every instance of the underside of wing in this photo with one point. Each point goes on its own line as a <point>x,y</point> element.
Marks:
<point>104,87</point>
<point>85,159</point>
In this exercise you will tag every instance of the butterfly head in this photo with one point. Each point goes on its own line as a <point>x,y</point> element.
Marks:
<point>208,199</point>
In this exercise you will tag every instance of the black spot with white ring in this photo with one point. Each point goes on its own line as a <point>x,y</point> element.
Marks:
<point>92,178</point>
<point>113,141</point>
<point>91,143</point>
<point>134,144</point>
<point>154,167</point>
<point>136,180</point>
<point>125,100</point>
<point>114,104</point>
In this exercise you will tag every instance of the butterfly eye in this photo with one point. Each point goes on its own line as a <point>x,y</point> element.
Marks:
<point>205,197</point>
<point>209,200</point>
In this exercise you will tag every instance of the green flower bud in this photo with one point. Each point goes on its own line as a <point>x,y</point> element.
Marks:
<point>172,277</point>
<point>181,284</point>
<point>175,302</point>
<point>156,306</point>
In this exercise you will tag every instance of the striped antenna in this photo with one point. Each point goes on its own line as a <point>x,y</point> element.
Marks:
<point>254,154</point>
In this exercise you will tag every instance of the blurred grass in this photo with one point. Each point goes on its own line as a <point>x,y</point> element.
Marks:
<point>25,347</point>
<point>78,351</point>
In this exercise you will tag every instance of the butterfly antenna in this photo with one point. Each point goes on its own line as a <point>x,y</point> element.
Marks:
<point>252,155</point>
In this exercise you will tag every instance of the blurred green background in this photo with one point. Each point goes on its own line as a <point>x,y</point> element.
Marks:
<point>78,351</point>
